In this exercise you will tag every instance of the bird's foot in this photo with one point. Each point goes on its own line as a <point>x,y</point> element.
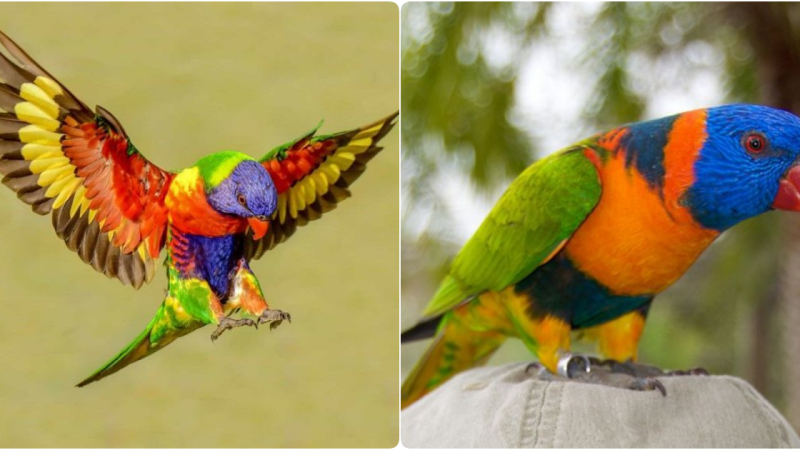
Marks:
<point>226,323</point>
<point>580,368</point>
<point>274,317</point>
<point>643,370</point>
<point>628,368</point>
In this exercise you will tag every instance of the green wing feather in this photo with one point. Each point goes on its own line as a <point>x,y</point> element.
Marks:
<point>534,217</point>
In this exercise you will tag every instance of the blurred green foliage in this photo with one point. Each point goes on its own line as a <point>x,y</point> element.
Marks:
<point>187,79</point>
<point>462,118</point>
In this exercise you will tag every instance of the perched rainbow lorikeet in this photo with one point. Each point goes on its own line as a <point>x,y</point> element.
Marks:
<point>118,211</point>
<point>585,238</point>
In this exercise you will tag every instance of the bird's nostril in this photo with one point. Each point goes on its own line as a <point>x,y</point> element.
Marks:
<point>262,218</point>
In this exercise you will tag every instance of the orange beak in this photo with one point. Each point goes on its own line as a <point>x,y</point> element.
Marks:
<point>259,227</point>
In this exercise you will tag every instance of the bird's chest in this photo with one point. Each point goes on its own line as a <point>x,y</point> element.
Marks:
<point>214,259</point>
<point>190,212</point>
<point>635,259</point>
<point>639,239</point>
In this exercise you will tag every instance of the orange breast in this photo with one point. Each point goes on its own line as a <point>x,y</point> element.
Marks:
<point>190,212</point>
<point>638,240</point>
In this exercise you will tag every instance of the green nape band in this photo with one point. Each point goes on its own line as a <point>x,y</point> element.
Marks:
<point>216,167</point>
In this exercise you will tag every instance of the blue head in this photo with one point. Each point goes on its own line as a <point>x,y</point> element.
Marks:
<point>239,186</point>
<point>747,165</point>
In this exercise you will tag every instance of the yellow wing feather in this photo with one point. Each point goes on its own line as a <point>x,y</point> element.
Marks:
<point>322,187</point>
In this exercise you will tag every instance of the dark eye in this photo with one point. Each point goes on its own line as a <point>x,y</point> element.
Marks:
<point>755,143</point>
<point>242,200</point>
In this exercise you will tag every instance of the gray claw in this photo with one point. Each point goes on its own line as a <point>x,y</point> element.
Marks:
<point>274,317</point>
<point>541,372</point>
<point>648,384</point>
<point>534,366</point>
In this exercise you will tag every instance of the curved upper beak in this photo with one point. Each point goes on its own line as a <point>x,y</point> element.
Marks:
<point>788,197</point>
<point>259,226</point>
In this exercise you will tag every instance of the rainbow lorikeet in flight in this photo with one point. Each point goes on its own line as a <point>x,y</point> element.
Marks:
<point>119,212</point>
<point>585,238</point>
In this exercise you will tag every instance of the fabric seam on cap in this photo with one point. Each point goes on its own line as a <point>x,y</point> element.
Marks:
<point>557,414</point>
<point>529,434</point>
<point>527,419</point>
<point>768,418</point>
<point>542,404</point>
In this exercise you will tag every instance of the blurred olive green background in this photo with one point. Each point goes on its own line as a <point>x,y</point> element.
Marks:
<point>186,80</point>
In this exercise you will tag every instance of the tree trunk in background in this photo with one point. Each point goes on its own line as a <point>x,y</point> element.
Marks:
<point>773,34</point>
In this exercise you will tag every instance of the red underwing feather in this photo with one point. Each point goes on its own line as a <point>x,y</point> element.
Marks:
<point>121,188</point>
<point>295,162</point>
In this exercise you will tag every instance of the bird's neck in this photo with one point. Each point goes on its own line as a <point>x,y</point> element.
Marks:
<point>190,212</point>
<point>640,238</point>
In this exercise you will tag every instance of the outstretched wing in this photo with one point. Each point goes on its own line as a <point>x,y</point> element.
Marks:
<point>313,174</point>
<point>106,199</point>
<point>530,223</point>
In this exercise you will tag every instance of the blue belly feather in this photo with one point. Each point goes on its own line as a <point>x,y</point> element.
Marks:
<point>215,259</point>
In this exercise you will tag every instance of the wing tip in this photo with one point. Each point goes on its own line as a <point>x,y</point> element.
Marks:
<point>388,123</point>
<point>110,119</point>
<point>424,329</point>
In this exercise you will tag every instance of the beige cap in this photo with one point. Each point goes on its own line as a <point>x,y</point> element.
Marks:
<point>506,407</point>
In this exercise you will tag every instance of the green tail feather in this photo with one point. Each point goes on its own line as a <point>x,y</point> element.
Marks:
<point>138,349</point>
<point>161,331</point>
<point>455,348</point>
